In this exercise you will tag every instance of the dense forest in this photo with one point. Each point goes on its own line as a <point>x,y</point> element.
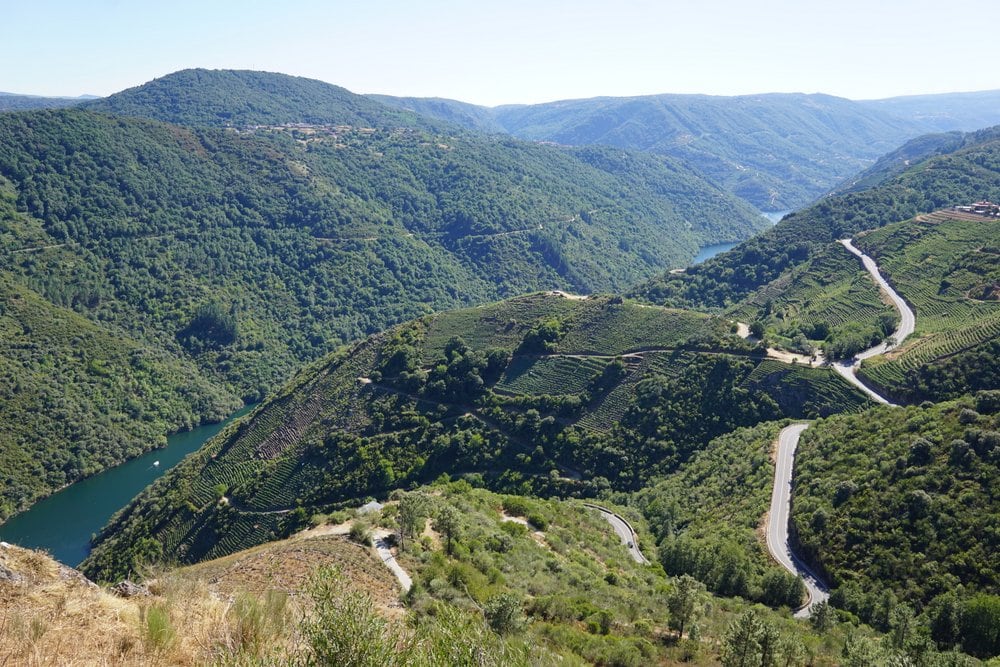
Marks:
<point>897,508</point>
<point>347,233</point>
<point>776,151</point>
<point>77,397</point>
<point>237,255</point>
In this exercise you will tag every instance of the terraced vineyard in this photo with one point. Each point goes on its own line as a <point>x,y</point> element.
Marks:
<point>602,325</point>
<point>540,393</point>
<point>554,375</point>
<point>502,324</point>
<point>608,410</point>
<point>815,392</point>
<point>948,268</point>
<point>831,288</point>
<point>611,327</point>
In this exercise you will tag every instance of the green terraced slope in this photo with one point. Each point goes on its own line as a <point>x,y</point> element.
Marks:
<point>947,266</point>
<point>542,393</point>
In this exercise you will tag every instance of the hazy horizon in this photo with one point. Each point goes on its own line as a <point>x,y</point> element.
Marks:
<point>518,52</point>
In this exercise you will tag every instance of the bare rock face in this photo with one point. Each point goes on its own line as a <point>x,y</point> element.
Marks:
<point>129,589</point>
<point>70,574</point>
<point>7,574</point>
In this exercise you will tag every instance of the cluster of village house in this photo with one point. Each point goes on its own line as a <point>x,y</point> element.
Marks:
<point>981,208</point>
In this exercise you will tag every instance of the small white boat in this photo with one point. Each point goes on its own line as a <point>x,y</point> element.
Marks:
<point>156,463</point>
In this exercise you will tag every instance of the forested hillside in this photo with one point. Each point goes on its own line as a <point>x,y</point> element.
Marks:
<point>239,254</point>
<point>77,397</point>
<point>255,251</point>
<point>540,394</point>
<point>898,506</point>
<point>776,151</point>
<point>708,526</point>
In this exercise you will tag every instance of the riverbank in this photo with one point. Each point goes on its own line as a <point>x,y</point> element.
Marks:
<point>63,523</point>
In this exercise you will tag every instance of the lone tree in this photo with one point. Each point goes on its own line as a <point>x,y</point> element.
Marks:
<point>449,522</point>
<point>741,646</point>
<point>685,602</point>
<point>411,514</point>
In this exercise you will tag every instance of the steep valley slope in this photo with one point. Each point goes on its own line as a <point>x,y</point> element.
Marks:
<point>540,393</point>
<point>237,254</point>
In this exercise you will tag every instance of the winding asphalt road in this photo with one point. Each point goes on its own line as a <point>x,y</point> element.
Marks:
<point>624,531</point>
<point>907,323</point>
<point>788,440</point>
<point>777,527</point>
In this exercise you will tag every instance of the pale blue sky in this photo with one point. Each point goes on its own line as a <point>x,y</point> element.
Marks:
<point>515,51</point>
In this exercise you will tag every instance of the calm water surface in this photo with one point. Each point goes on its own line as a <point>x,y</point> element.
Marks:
<point>709,251</point>
<point>63,523</point>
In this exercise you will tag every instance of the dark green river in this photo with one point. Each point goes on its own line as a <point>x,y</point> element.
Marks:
<point>63,523</point>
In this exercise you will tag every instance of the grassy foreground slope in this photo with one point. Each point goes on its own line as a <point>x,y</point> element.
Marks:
<point>491,587</point>
<point>540,393</point>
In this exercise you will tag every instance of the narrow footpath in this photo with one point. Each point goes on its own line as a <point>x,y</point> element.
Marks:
<point>381,541</point>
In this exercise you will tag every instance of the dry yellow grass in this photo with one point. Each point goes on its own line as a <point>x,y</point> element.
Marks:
<point>53,616</point>
<point>223,611</point>
<point>287,565</point>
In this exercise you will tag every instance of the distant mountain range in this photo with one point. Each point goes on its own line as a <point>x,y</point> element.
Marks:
<point>776,151</point>
<point>16,102</point>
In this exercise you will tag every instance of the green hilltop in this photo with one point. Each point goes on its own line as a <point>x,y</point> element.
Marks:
<point>241,98</point>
